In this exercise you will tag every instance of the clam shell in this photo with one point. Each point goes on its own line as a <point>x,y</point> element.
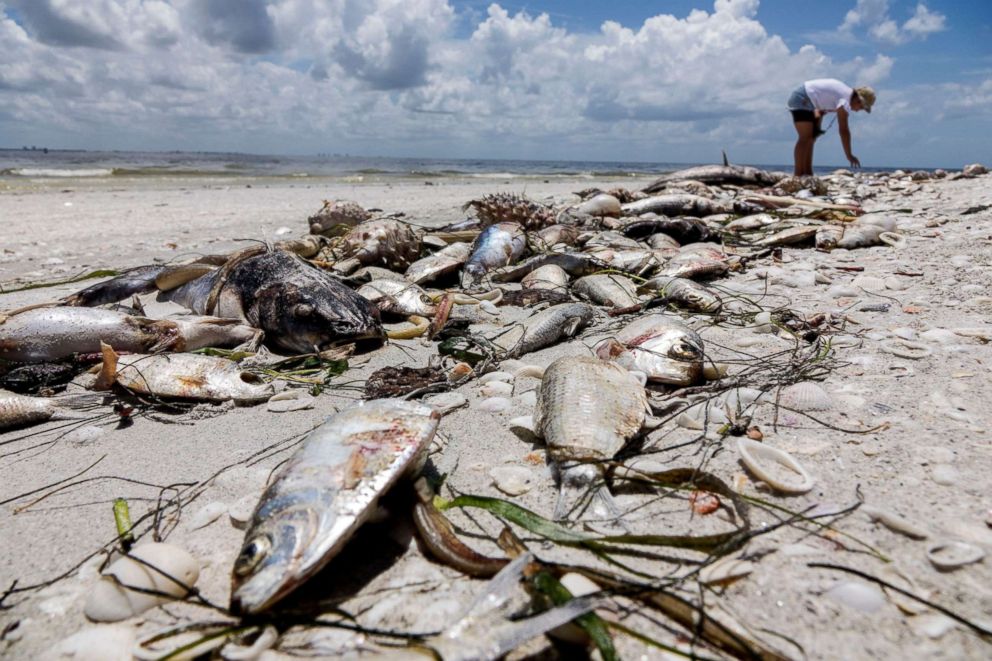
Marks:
<point>762,460</point>
<point>496,376</point>
<point>512,480</point>
<point>101,643</point>
<point>894,522</point>
<point>869,283</point>
<point>497,389</point>
<point>857,595</point>
<point>446,402</point>
<point>495,405</point>
<point>805,396</point>
<point>947,555</point>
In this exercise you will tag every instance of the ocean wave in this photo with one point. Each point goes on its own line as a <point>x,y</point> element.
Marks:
<point>58,172</point>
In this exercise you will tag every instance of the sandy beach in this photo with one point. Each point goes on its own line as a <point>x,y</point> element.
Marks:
<point>907,436</point>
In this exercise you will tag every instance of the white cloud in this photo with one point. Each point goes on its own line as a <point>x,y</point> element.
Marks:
<point>872,17</point>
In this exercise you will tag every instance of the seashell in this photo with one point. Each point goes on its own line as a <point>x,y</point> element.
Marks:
<point>939,336</point>
<point>887,223</point>
<point>579,586</point>
<point>100,643</point>
<point>696,417</point>
<point>523,426</point>
<point>904,333</point>
<point>891,574</point>
<point>894,239</point>
<point>489,307</point>
<point>529,398</point>
<point>495,405</point>
<point>512,480</point>
<point>906,349</point>
<point>868,283</point>
<point>897,284</point>
<point>842,291</point>
<point>531,371</point>
<point>894,522</point>
<point>947,555</point>
<point>857,595</point>
<point>763,323</point>
<point>296,399</point>
<point>806,396</point>
<point>496,376</point>
<point>945,475</point>
<point>459,372</point>
<point>207,515</point>
<point>446,402</point>
<point>725,571</point>
<point>759,458</point>
<point>497,389</point>
<point>83,435</point>
<point>931,625</point>
<point>241,511</point>
<point>109,601</point>
<point>177,643</point>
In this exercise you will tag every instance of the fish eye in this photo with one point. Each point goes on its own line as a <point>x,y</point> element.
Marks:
<point>252,554</point>
<point>424,298</point>
<point>303,310</point>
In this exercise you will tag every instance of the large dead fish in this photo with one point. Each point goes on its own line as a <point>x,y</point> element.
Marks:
<point>683,293</point>
<point>682,230</point>
<point>50,334</point>
<point>697,261</point>
<point>433,267</point>
<point>714,175</point>
<point>684,204</point>
<point>576,264</point>
<point>665,350</point>
<point>498,245</point>
<point>398,298</point>
<point>544,329</point>
<point>587,411</point>
<point>607,289</point>
<point>326,490</point>
<point>299,307</point>
<point>181,376</point>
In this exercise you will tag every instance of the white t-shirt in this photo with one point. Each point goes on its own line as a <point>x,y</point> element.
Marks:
<point>829,94</point>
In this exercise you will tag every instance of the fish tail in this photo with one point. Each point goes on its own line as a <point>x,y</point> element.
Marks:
<point>108,370</point>
<point>581,485</point>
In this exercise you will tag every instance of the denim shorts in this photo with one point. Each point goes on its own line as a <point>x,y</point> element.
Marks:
<point>801,106</point>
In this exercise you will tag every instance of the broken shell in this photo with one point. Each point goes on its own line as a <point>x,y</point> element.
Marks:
<point>759,459</point>
<point>868,283</point>
<point>160,567</point>
<point>496,376</point>
<point>906,349</point>
<point>894,522</point>
<point>894,239</point>
<point>446,402</point>
<point>290,400</point>
<point>207,515</point>
<point>495,405</point>
<point>951,554</point>
<point>459,372</point>
<point>497,389</point>
<point>512,480</point>
<point>860,596</point>
<point>806,396</point>
<point>725,571</point>
<point>579,586</point>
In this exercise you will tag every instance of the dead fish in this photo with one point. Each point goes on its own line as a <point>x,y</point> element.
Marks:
<point>24,410</point>
<point>697,261</point>
<point>664,349</point>
<point>587,411</point>
<point>752,222</point>
<point>860,235</point>
<point>544,329</point>
<point>576,264</point>
<point>434,267</point>
<point>828,236</point>
<point>684,204</point>
<point>662,241</point>
<point>607,289</point>
<point>793,236</point>
<point>29,379</point>
<point>609,239</point>
<point>683,293</point>
<point>525,298</point>
<point>498,245</point>
<point>380,242</point>
<point>139,280</point>
<point>550,276</point>
<point>636,261</point>
<point>400,298</point>
<point>321,496</point>
<point>51,334</point>
<point>181,376</point>
<point>554,235</point>
<point>714,175</point>
<point>683,230</point>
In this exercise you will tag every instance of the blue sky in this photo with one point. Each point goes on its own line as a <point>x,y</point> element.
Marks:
<point>656,81</point>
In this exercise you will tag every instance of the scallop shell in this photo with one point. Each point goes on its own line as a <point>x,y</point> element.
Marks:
<point>111,601</point>
<point>869,283</point>
<point>946,555</point>
<point>759,458</point>
<point>806,396</point>
<point>906,349</point>
<point>496,376</point>
<point>497,389</point>
<point>495,405</point>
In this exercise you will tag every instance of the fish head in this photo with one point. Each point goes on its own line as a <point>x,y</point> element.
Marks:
<point>669,353</point>
<point>274,558</point>
<point>303,319</point>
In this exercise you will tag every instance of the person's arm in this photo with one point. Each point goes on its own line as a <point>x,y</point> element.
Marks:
<point>845,137</point>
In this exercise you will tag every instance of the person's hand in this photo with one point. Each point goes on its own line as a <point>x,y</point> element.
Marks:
<point>855,163</point>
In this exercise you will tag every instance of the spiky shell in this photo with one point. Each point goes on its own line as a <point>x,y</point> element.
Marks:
<point>336,216</point>
<point>511,208</point>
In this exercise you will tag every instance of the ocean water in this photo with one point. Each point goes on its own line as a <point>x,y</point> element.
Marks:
<point>53,164</point>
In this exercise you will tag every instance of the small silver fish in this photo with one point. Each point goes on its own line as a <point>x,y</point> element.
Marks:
<point>684,293</point>
<point>752,222</point>
<point>321,496</point>
<point>665,350</point>
<point>587,411</point>
<point>544,329</point>
<point>498,245</point>
<point>697,261</point>
<point>444,261</point>
<point>607,289</point>
<point>790,237</point>
<point>401,298</point>
<point>550,276</point>
<point>23,410</point>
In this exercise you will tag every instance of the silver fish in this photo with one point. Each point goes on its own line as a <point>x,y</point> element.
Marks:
<point>401,298</point>
<point>684,293</point>
<point>50,334</point>
<point>828,236</point>
<point>697,261</point>
<point>23,410</point>
<point>610,290</point>
<point>498,245</point>
<point>790,237</point>
<point>752,222</point>
<point>576,264</point>
<point>550,276</point>
<point>637,261</point>
<point>321,496</point>
<point>544,329</point>
<point>444,261</point>
<point>665,350</point>
<point>738,175</point>
<point>686,204</point>
<point>587,411</point>
<point>181,375</point>
<point>553,235</point>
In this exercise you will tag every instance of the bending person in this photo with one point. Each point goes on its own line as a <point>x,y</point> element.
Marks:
<point>810,101</point>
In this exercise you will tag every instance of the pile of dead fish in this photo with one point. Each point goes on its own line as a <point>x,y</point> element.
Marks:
<point>357,281</point>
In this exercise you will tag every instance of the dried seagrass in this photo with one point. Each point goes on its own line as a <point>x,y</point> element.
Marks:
<point>399,381</point>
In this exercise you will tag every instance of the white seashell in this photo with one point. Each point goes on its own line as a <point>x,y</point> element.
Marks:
<point>759,459</point>
<point>525,423</point>
<point>932,625</point>
<point>489,307</point>
<point>496,376</point>
<point>579,586</point>
<point>167,643</point>
<point>806,396</point>
<point>940,336</point>
<point>290,400</point>
<point>529,371</point>
<point>240,512</point>
<point>495,405</point>
<point>894,522</point>
<point>84,435</point>
<point>763,323</point>
<point>906,349</point>
<point>207,515</point>
<point>950,554</point>
<point>497,389</point>
<point>263,641</point>
<point>904,333</point>
<point>109,601</point>
<point>894,239</point>
<point>446,402</point>
<point>842,291</point>
<point>529,398</point>
<point>860,596</point>
<point>945,475</point>
<point>725,571</point>
<point>868,283</point>
<point>100,643</point>
<point>897,284</point>
<point>512,480</point>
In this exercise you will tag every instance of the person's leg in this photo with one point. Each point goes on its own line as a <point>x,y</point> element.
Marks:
<point>803,153</point>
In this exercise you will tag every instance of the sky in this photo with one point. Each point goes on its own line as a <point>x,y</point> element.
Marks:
<point>674,81</point>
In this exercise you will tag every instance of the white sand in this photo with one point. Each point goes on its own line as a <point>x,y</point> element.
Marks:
<point>937,414</point>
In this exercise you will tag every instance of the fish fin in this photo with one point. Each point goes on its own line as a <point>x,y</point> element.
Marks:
<point>575,483</point>
<point>726,162</point>
<point>108,370</point>
<point>571,326</point>
<point>254,345</point>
